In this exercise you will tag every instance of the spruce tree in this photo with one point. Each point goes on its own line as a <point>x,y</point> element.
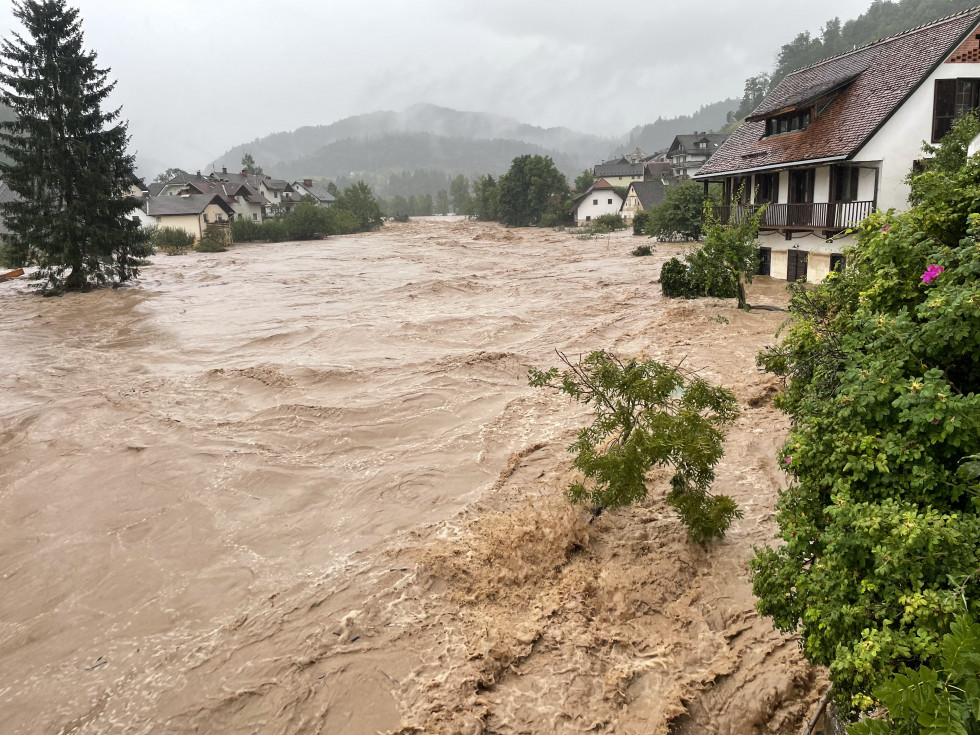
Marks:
<point>67,157</point>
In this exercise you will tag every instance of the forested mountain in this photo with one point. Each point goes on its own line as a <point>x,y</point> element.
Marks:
<point>438,122</point>
<point>660,134</point>
<point>882,19</point>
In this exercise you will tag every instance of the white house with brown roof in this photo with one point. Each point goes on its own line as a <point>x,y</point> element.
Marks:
<point>688,153</point>
<point>190,212</point>
<point>835,140</point>
<point>602,198</point>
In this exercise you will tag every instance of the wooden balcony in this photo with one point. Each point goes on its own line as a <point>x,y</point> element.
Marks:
<point>833,216</point>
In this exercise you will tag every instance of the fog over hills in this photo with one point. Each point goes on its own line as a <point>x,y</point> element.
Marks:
<point>438,138</point>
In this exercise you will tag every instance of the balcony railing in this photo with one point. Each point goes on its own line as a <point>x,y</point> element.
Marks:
<point>823,216</point>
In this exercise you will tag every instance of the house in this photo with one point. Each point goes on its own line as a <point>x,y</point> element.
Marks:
<point>306,188</point>
<point>619,172</point>
<point>644,194</point>
<point>601,198</point>
<point>835,140</point>
<point>178,184</point>
<point>688,153</point>
<point>190,212</point>
<point>247,202</point>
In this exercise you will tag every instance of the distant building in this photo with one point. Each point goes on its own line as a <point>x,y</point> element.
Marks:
<point>306,188</point>
<point>619,172</point>
<point>602,198</point>
<point>191,213</point>
<point>644,194</point>
<point>688,153</point>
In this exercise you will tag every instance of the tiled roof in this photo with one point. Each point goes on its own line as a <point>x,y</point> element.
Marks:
<point>650,193</point>
<point>183,205</point>
<point>619,168</point>
<point>317,191</point>
<point>155,189</point>
<point>883,74</point>
<point>601,184</point>
<point>687,143</point>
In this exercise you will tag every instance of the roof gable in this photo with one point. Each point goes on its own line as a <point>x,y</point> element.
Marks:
<point>861,89</point>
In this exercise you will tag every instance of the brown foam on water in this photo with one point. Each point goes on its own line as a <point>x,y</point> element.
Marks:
<point>305,488</point>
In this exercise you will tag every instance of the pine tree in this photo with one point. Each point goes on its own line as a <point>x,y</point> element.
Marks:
<point>67,158</point>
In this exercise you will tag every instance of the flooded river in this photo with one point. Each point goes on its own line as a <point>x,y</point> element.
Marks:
<point>250,494</point>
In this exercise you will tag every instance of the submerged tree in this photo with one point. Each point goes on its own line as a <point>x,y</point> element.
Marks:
<point>67,157</point>
<point>648,414</point>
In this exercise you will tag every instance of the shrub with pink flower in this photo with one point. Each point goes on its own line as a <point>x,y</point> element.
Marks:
<point>932,273</point>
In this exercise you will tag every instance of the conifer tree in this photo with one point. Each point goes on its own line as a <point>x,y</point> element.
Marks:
<point>67,157</point>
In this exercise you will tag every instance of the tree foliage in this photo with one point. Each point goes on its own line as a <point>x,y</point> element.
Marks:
<point>67,157</point>
<point>169,174</point>
<point>881,522</point>
<point>359,199</point>
<point>531,188</point>
<point>482,204</point>
<point>459,192</point>
<point>647,414</point>
<point>250,167</point>
<point>679,215</point>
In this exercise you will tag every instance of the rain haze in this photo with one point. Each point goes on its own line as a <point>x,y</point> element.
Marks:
<point>195,79</point>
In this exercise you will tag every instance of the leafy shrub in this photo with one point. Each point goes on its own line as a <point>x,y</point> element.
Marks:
<point>245,230</point>
<point>642,250</point>
<point>647,414</point>
<point>675,280</point>
<point>611,222</point>
<point>881,520</point>
<point>272,230</point>
<point>549,219</point>
<point>640,222</point>
<point>304,222</point>
<point>337,221</point>
<point>173,240</point>
<point>214,240</point>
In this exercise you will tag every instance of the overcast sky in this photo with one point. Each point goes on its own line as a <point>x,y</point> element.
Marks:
<point>196,77</point>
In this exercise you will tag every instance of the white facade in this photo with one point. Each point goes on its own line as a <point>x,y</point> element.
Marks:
<point>597,203</point>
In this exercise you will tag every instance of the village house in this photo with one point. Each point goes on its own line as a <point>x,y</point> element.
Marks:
<point>306,188</point>
<point>190,212</point>
<point>644,194</point>
<point>835,140</point>
<point>243,199</point>
<point>601,198</point>
<point>620,172</point>
<point>688,153</point>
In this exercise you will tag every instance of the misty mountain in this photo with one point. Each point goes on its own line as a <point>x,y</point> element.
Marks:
<point>660,134</point>
<point>451,127</point>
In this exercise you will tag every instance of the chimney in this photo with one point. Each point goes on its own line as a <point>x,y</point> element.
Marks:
<point>224,169</point>
<point>198,174</point>
<point>244,172</point>
<point>307,182</point>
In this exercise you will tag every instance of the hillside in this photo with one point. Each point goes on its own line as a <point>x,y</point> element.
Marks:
<point>660,134</point>
<point>461,141</point>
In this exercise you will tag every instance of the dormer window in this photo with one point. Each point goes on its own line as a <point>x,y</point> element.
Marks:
<point>791,122</point>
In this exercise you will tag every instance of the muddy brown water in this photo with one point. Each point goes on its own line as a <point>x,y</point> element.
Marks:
<point>305,488</point>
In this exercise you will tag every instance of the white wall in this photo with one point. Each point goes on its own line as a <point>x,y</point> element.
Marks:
<point>899,142</point>
<point>587,210</point>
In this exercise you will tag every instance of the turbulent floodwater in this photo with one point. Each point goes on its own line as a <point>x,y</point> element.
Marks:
<point>305,488</point>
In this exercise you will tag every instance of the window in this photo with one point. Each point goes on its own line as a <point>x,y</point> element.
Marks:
<point>206,220</point>
<point>766,188</point>
<point>587,218</point>
<point>610,201</point>
<point>791,122</point>
<point>595,201</point>
<point>845,184</point>
<point>953,98</point>
<point>255,216</point>
<point>837,262</point>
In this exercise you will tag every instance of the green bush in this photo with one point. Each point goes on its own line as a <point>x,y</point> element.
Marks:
<point>611,222</point>
<point>214,240</point>
<point>173,240</point>
<point>675,280</point>
<point>8,258</point>
<point>272,230</point>
<point>245,230</point>
<point>339,221</point>
<point>640,222</point>
<point>642,250</point>
<point>305,222</point>
<point>880,520</point>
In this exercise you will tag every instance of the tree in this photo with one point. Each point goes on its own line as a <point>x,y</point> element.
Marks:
<point>67,157</point>
<point>881,521</point>
<point>359,199</point>
<point>442,205</point>
<point>531,188</point>
<point>250,167</point>
<point>169,175</point>
<point>459,192</point>
<point>333,189</point>
<point>679,214</point>
<point>584,181</point>
<point>729,255</point>
<point>483,203</point>
<point>647,414</point>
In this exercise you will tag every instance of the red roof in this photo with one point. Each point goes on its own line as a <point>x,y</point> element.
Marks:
<point>864,87</point>
<point>601,184</point>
